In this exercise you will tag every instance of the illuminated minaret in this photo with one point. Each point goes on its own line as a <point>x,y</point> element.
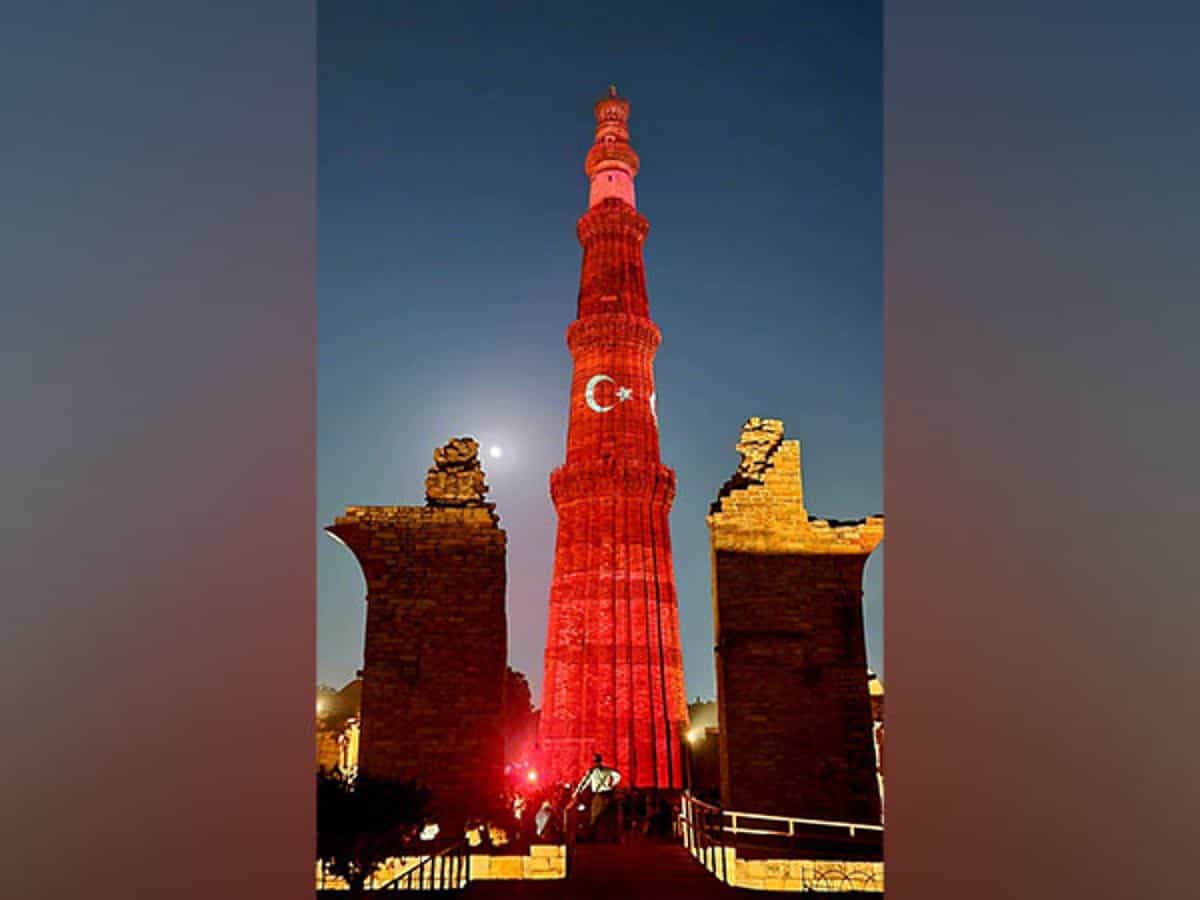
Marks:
<point>614,670</point>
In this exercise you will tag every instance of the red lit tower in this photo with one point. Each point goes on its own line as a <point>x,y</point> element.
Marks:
<point>614,670</point>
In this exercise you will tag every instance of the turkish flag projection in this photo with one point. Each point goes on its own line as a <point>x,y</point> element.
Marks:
<point>613,679</point>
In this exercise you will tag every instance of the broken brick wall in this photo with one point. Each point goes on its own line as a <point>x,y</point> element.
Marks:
<point>795,714</point>
<point>435,647</point>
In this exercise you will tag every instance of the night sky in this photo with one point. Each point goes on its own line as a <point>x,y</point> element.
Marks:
<point>451,147</point>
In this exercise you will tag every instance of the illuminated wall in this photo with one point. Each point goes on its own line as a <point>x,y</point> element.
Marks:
<point>875,689</point>
<point>795,713</point>
<point>337,731</point>
<point>436,636</point>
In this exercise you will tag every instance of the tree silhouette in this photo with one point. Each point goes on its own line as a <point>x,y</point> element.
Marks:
<point>519,724</point>
<point>361,822</point>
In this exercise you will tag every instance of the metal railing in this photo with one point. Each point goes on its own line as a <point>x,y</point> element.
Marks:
<point>792,823</point>
<point>708,832</point>
<point>700,824</point>
<point>446,870</point>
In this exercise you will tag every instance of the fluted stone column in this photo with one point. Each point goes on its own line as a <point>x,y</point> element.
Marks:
<point>613,669</point>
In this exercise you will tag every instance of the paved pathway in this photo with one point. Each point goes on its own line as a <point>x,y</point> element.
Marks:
<point>631,871</point>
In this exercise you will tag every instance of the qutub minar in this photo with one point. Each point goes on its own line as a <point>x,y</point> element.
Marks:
<point>613,668</point>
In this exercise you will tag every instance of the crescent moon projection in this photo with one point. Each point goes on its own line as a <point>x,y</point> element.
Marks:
<point>589,393</point>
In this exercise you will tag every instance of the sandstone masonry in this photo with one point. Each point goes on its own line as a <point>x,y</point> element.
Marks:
<point>795,715</point>
<point>436,634</point>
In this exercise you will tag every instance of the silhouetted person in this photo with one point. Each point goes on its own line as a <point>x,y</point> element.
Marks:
<point>601,781</point>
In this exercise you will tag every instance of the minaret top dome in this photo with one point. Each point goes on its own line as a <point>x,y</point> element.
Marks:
<point>612,108</point>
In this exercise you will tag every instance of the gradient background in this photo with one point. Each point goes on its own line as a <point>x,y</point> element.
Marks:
<point>452,140</point>
<point>157,361</point>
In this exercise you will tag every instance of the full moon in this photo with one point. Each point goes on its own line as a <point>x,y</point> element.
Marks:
<point>495,451</point>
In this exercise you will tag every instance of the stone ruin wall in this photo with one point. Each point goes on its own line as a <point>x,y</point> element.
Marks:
<point>436,634</point>
<point>795,716</point>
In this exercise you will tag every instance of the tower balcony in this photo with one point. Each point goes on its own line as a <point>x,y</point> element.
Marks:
<point>601,479</point>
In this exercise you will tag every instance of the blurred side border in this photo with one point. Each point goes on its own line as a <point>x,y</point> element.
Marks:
<point>158,382</point>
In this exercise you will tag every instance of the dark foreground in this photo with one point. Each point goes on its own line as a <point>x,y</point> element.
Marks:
<point>636,870</point>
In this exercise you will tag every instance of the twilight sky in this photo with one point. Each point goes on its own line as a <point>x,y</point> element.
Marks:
<point>451,145</point>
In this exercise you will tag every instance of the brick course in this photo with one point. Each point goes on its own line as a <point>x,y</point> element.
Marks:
<point>795,715</point>
<point>436,635</point>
